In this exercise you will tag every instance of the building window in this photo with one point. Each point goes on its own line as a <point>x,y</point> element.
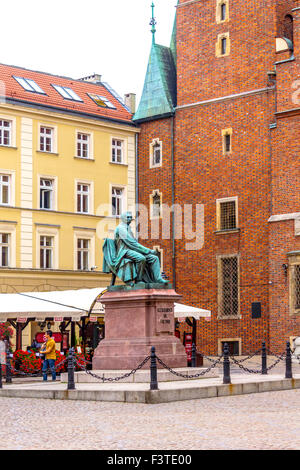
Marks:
<point>5,132</point>
<point>4,247</point>
<point>4,189</point>
<point>46,193</point>
<point>155,153</point>
<point>223,45</point>
<point>46,252</point>
<point>296,281</point>
<point>117,151</point>
<point>156,204</point>
<point>83,254</point>
<point>228,283</point>
<point>83,196</point>
<point>117,201</point>
<point>227,214</point>
<point>233,346</point>
<point>46,139</point>
<point>223,11</point>
<point>83,145</point>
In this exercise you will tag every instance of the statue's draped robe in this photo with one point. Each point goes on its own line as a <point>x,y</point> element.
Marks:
<point>115,261</point>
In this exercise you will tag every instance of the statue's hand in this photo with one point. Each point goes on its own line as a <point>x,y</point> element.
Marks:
<point>154,252</point>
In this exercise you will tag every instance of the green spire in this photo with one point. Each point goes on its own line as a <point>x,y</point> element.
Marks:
<point>153,23</point>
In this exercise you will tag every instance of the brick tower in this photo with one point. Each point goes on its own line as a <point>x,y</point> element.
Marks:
<point>219,119</point>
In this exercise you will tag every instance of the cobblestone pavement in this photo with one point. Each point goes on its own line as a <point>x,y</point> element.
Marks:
<point>259,421</point>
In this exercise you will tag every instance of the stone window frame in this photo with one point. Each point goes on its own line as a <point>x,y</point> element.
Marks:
<point>154,193</point>
<point>226,132</point>
<point>219,288</point>
<point>218,210</point>
<point>219,45</point>
<point>294,260</point>
<point>151,153</point>
<point>218,11</point>
<point>227,340</point>
<point>161,252</point>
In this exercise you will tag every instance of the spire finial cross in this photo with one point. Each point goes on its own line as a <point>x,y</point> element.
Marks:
<point>153,23</point>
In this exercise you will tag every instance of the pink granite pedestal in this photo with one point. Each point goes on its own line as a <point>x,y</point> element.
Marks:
<point>135,320</point>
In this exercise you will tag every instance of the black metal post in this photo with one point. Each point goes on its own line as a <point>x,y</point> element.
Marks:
<point>264,359</point>
<point>226,365</point>
<point>288,362</point>
<point>193,355</point>
<point>153,370</point>
<point>71,367</point>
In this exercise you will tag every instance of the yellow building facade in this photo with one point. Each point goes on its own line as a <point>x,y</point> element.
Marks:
<point>62,174</point>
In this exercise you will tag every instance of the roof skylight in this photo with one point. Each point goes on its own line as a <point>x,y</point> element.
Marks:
<point>101,101</point>
<point>67,93</point>
<point>29,85</point>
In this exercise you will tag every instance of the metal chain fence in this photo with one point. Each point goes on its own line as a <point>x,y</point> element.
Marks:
<point>113,379</point>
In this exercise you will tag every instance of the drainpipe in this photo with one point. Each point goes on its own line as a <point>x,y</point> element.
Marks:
<point>173,202</point>
<point>136,184</point>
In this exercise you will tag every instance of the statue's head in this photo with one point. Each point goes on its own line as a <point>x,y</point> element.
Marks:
<point>126,217</point>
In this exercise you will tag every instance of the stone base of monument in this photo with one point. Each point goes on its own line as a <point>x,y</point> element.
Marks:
<point>135,320</point>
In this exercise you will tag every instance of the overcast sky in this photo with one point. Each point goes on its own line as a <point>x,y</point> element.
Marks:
<point>75,38</point>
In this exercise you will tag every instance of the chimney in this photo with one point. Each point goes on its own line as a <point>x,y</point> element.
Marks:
<point>95,78</point>
<point>129,100</point>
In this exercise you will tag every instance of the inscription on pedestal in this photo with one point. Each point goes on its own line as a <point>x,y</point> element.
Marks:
<point>164,320</point>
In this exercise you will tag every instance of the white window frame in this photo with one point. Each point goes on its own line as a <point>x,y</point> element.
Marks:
<point>53,137</point>
<point>46,248</point>
<point>11,187</point>
<point>13,123</point>
<point>124,147</point>
<point>81,142</point>
<point>10,230</point>
<point>48,232</point>
<point>117,145</point>
<point>151,153</point>
<point>86,235</point>
<point>43,189</point>
<point>6,245</point>
<point>123,201</point>
<point>82,193</point>
<point>7,129</point>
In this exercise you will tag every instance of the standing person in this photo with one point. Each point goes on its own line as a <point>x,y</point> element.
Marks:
<point>50,356</point>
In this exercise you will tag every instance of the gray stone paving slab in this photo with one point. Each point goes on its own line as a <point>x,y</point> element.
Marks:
<point>266,421</point>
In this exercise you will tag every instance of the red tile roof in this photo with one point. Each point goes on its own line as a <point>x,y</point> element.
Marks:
<point>14,91</point>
